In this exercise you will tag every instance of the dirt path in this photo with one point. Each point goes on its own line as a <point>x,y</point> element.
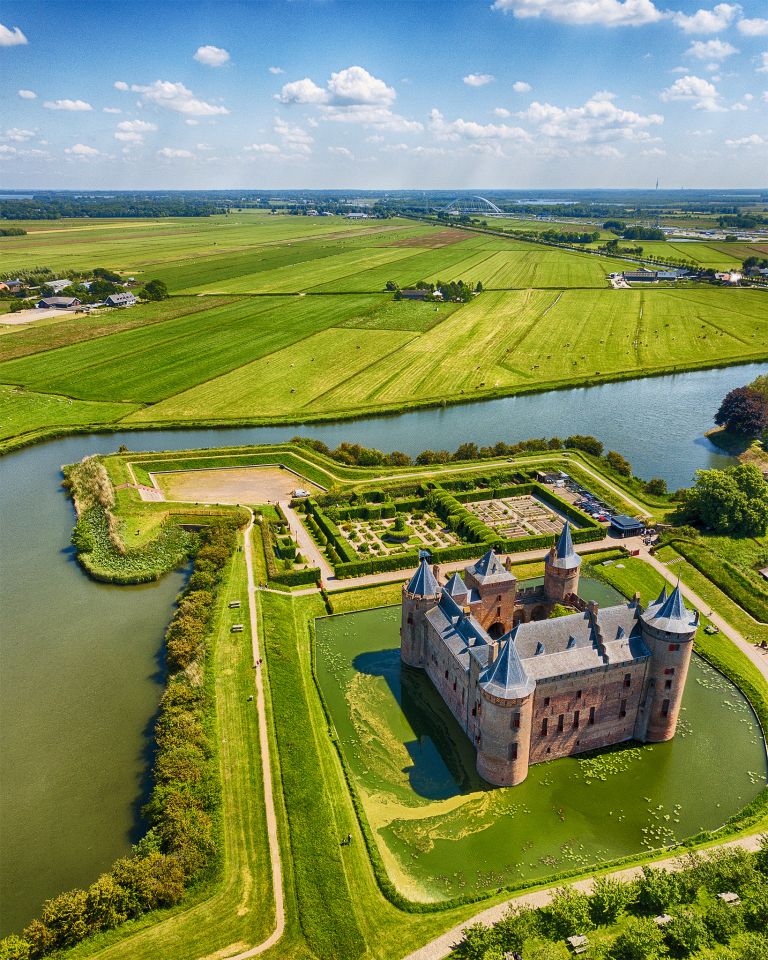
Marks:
<point>266,768</point>
<point>442,946</point>
<point>756,655</point>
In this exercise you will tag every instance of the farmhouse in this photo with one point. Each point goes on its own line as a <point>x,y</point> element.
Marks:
<point>61,303</point>
<point>58,285</point>
<point>126,299</point>
<point>526,689</point>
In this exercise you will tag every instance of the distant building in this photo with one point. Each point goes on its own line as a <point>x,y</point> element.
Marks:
<point>60,303</point>
<point>624,526</point>
<point>58,285</point>
<point>413,294</point>
<point>648,276</point>
<point>526,689</point>
<point>15,286</point>
<point>357,216</point>
<point>126,299</point>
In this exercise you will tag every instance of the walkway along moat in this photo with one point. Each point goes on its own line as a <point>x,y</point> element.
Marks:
<point>442,831</point>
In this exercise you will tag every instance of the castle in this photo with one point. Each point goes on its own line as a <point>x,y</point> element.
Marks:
<point>526,689</point>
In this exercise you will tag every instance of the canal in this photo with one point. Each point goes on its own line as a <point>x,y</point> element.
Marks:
<point>80,662</point>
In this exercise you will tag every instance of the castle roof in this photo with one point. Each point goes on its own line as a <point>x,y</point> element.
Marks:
<point>506,677</point>
<point>671,614</point>
<point>456,587</point>
<point>462,635</point>
<point>423,582</point>
<point>565,557</point>
<point>581,641</point>
<point>489,569</point>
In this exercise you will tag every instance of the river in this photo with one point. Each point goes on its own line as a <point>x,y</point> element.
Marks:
<point>81,671</point>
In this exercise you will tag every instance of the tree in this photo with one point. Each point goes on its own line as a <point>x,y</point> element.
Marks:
<point>390,285</point>
<point>686,933</point>
<point>641,939</point>
<point>608,900</point>
<point>105,274</point>
<point>657,487</point>
<point>723,921</point>
<point>744,410</point>
<point>657,891</point>
<point>154,290</point>
<point>568,914</point>
<point>618,463</point>
<point>586,443</point>
<point>731,501</point>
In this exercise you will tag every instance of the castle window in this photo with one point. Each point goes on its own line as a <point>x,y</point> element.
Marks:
<point>446,674</point>
<point>544,726</point>
<point>498,611</point>
<point>454,684</point>
<point>462,695</point>
<point>665,708</point>
<point>546,701</point>
<point>627,679</point>
<point>576,719</point>
<point>669,672</point>
<point>623,709</point>
<point>516,721</point>
<point>513,751</point>
<point>474,711</point>
<point>410,618</point>
<point>560,723</point>
<point>498,598</point>
<point>591,715</point>
<point>667,684</point>
<point>578,694</point>
<point>674,647</point>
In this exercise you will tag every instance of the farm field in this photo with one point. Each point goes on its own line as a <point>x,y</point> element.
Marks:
<point>262,307</point>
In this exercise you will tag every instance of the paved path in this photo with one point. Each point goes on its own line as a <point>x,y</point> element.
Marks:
<point>307,545</point>
<point>442,946</point>
<point>266,768</point>
<point>758,656</point>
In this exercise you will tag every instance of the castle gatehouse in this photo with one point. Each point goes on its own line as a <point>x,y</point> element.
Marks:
<point>526,689</point>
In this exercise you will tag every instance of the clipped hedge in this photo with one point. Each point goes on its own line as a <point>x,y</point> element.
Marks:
<point>290,578</point>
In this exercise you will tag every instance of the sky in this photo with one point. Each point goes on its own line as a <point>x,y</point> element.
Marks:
<point>455,94</point>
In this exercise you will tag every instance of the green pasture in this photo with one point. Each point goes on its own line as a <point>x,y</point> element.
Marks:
<point>22,411</point>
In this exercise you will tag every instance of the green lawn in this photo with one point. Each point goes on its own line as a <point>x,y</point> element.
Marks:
<point>23,411</point>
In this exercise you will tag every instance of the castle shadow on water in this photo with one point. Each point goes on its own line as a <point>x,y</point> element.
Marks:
<point>526,689</point>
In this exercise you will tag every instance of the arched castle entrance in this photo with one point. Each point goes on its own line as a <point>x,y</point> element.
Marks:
<point>496,630</point>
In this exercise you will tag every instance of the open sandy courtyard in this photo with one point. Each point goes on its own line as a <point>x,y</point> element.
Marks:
<point>232,485</point>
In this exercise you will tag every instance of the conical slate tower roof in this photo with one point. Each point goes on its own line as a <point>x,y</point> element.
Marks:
<point>565,557</point>
<point>506,677</point>
<point>671,615</point>
<point>489,568</point>
<point>456,586</point>
<point>423,582</point>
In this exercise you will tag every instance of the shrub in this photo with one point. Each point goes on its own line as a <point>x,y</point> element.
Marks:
<point>608,900</point>
<point>723,921</point>
<point>657,890</point>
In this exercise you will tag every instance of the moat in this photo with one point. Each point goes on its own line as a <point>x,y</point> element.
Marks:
<point>443,831</point>
<point>82,667</point>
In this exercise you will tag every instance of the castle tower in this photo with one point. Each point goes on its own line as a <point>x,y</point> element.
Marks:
<point>420,594</point>
<point>496,588</point>
<point>505,717</point>
<point>561,568</point>
<point>668,629</point>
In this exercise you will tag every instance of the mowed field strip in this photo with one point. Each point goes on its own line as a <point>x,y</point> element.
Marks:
<point>284,317</point>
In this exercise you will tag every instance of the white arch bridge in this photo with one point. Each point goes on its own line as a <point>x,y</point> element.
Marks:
<point>472,206</point>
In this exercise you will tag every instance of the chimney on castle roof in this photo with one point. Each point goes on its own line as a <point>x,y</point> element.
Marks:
<point>493,651</point>
<point>436,571</point>
<point>508,563</point>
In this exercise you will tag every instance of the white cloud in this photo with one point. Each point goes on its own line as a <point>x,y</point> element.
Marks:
<point>748,97</point>
<point>211,56</point>
<point>711,50</point>
<point>461,129</point>
<point>599,120</point>
<point>740,107</point>
<point>341,152</point>
<point>707,21</point>
<point>126,136</point>
<point>653,152</point>
<point>757,27</point>
<point>75,106</point>
<point>478,79</point>
<point>137,126</point>
<point>111,110</point>
<point>190,122</point>
<point>520,86</point>
<point>177,97</point>
<point>691,89</point>
<point>7,152</point>
<point>608,13</point>
<point>295,139</point>
<point>276,70</point>
<point>12,37</point>
<point>82,151</point>
<point>263,148</point>
<point>502,112</point>
<point>169,153</point>
<point>27,94</point>
<point>381,118</point>
<point>355,85</point>
<point>18,135</point>
<point>763,68</point>
<point>374,138</point>
<point>121,85</point>
<point>302,91</point>
<point>753,140</point>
